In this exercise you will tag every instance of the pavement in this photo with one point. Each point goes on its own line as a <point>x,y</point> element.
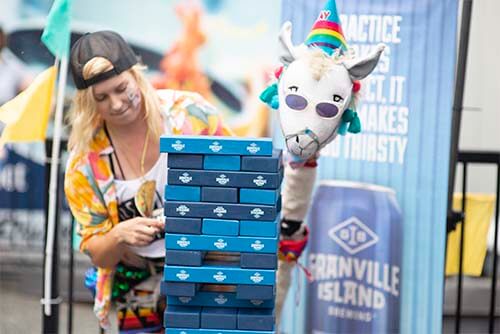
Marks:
<point>21,291</point>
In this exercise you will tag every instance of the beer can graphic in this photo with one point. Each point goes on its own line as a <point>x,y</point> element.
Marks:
<point>355,251</point>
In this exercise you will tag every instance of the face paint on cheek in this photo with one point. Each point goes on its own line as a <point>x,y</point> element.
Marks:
<point>134,97</point>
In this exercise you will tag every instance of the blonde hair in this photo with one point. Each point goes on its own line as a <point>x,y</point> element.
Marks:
<point>83,115</point>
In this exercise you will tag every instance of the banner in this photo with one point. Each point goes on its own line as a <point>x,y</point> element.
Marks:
<point>405,113</point>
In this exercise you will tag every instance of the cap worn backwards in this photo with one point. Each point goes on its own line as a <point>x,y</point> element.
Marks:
<point>106,44</point>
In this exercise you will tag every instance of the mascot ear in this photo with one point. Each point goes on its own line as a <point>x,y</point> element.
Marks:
<point>287,54</point>
<point>359,68</point>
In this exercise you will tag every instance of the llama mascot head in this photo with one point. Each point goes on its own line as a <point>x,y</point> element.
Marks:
<point>316,89</point>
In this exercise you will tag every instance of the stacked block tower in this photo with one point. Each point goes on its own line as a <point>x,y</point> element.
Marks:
<point>222,207</point>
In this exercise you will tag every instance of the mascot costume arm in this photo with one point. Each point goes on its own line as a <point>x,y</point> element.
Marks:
<point>315,71</point>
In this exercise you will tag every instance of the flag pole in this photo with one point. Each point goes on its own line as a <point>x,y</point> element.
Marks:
<point>48,299</point>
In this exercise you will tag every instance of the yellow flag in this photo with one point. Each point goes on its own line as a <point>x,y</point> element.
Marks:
<point>26,116</point>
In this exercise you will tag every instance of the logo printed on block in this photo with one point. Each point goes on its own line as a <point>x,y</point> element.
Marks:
<point>253,148</point>
<point>222,179</point>
<point>257,245</point>
<point>220,299</point>
<point>215,147</point>
<point>185,178</point>
<point>178,145</point>
<point>182,210</point>
<point>353,236</point>
<point>183,242</point>
<point>259,181</point>
<point>220,211</point>
<point>256,302</point>
<point>257,212</point>
<point>256,278</point>
<point>220,277</point>
<point>185,300</point>
<point>220,244</point>
<point>182,275</point>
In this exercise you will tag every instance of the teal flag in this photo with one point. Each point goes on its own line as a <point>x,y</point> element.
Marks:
<point>56,35</point>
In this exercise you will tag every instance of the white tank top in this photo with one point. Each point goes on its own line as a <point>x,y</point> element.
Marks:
<point>125,192</point>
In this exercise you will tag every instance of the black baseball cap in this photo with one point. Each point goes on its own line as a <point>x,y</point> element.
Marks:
<point>106,44</point>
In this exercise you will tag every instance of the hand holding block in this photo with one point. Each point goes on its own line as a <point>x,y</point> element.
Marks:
<point>216,145</point>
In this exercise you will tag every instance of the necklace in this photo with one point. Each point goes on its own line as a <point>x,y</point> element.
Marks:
<point>144,198</point>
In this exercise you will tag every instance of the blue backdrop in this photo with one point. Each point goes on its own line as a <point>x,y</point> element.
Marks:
<point>406,118</point>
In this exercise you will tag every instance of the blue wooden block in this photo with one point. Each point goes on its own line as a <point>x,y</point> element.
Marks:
<point>220,226</point>
<point>253,292</point>
<point>216,145</point>
<point>260,228</point>
<point>270,164</point>
<point>218,274</point>
<point>228,179</point>
<point>225,299</point>
<point>222,162</point>
<point>259,261</point>
<point>221,243</point>
<point>182,193</point>
<point>252,319</point>
<point>218,318</point>
<point>190,161</point>
<point>220,210</point>
<point>212,331</point>
<point>259,196</point>
<point>184,258</point>
<point>182,316</point>
<point>183,225</point>
<point>179,289</point>
<point>219,194</point>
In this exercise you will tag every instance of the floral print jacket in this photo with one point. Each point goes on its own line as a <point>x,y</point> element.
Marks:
<point>89,181</point>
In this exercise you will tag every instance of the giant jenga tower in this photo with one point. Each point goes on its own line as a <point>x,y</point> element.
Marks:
<point>222,207</point>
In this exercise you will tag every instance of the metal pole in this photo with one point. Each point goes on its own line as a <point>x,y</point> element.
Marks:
<point>50,322</point>
<point>463,47</point>
<point>458,313</point>
<point>491,325</point>
<point>70,276</point>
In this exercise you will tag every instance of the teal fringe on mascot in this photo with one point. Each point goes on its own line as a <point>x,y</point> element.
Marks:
<point>315,93</point>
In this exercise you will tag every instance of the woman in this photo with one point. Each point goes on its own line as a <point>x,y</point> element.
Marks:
<point>115,175</point>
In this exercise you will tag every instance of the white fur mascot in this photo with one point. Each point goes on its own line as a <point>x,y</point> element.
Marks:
<point>315,94</point>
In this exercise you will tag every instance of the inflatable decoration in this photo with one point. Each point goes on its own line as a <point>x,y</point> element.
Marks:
<point>315,94</point>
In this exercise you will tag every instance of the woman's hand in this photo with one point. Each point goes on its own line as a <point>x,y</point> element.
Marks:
<point>138,231</point>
